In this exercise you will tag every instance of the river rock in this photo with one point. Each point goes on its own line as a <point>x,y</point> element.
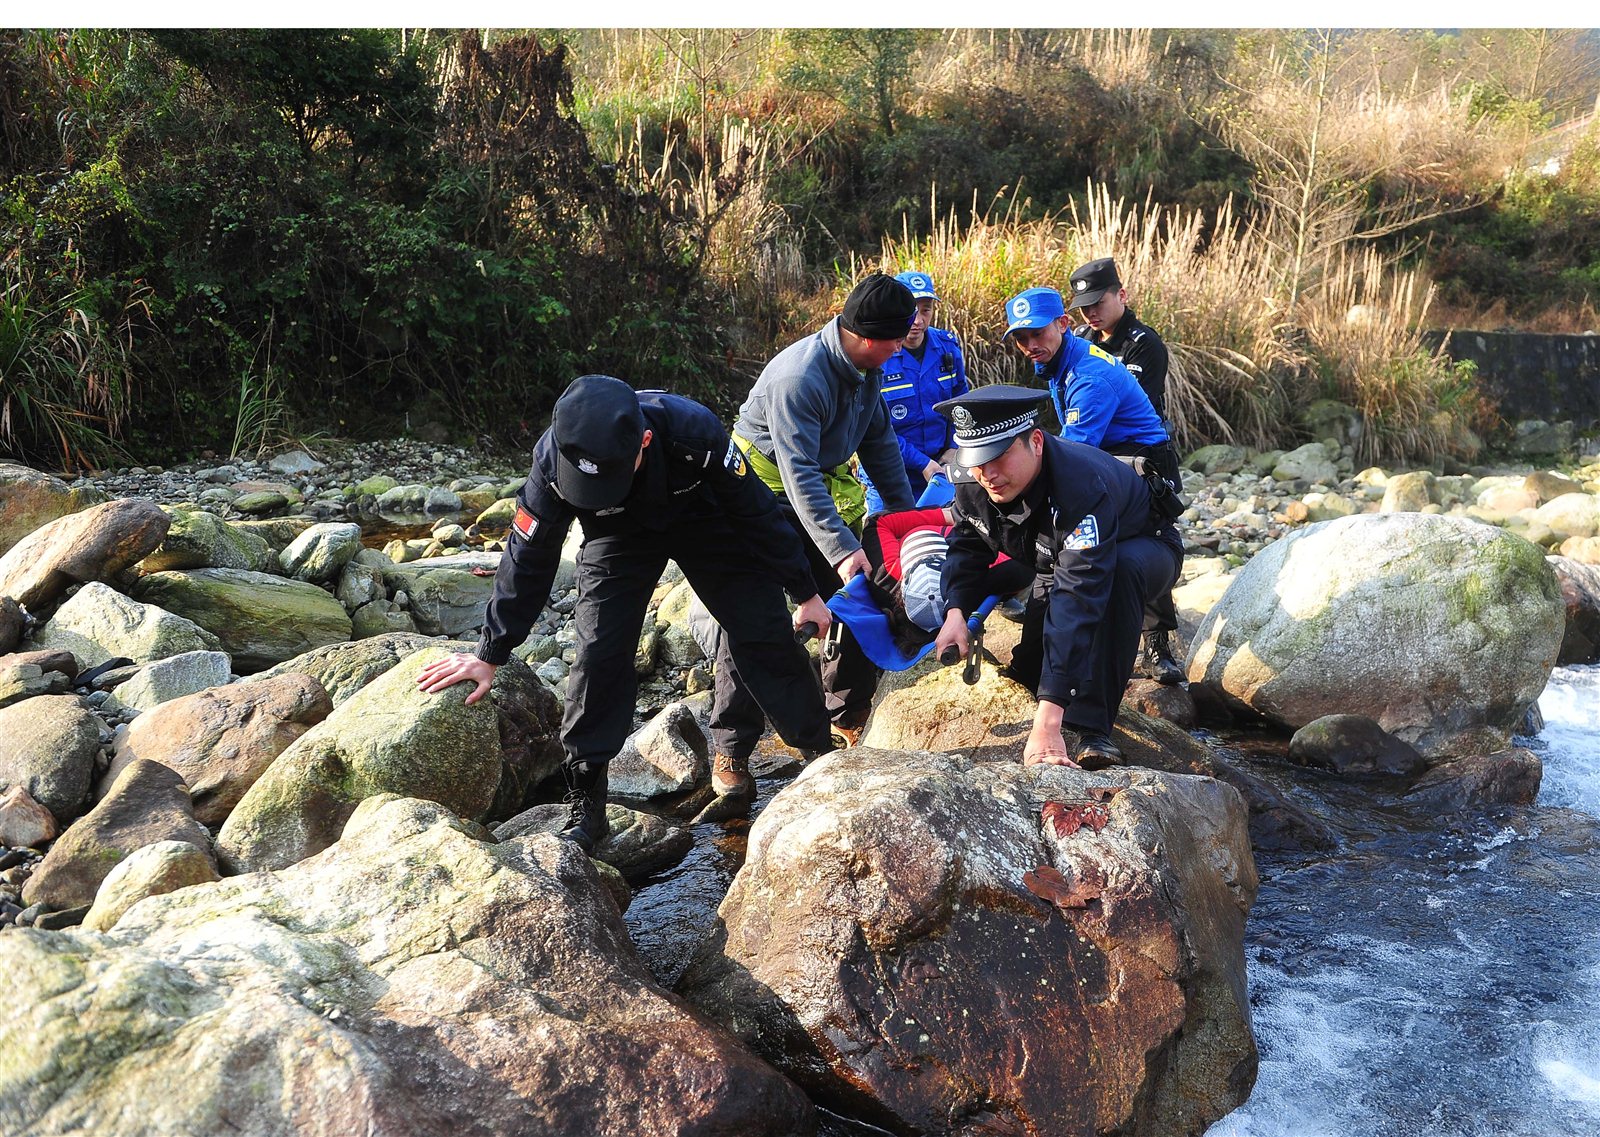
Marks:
<point>496,518</point>
<point>343,669</point>
<point>639,844</point>
<point>31,499</point>
<point>1547,485</point>
<point>19,681</point>
<point>1580,595</point>
<point>172,678</point>
<point>278,532</point>
<point>1328,506</point>
<point>294,462</point>
<point>1570,515</point>
<point>13,624</point>
<point>318,554</point>
<point>665,756</point>
<point>24,823</point>
<point>449,601</point>
<point>1508,777</point>
<point>1353,745</point>
<point>1407,493</point>
<point>1160,701</point>
<point>1584,549</point>
<point>360,584</point>
<point>260,503</point>
<point>95,544</point>
<point>222,739</point>
<point>1219,458</point>
<point>1309,463</point>
<point>1440,629</point>
<point>48,746</point>
<point>1535,438</point>
<point>147,803</point>
<point>154,870</point>
<point>380,618</point>
<point>527,713</point>
<point>390,737</point>
<point>409,982</point>
<point>888,944</point>
<point>198,539</point>
<point>259,619</point>
<point>98,623</point>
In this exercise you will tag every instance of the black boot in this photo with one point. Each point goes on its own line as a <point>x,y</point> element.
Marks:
<point>1155,659</point>
<point>1096,751</point>
<point>587,824</point>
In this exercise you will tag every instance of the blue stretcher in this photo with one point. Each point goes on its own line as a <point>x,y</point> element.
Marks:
<point>853,606</point>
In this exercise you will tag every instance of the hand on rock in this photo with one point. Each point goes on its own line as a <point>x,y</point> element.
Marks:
<point>458,667</point>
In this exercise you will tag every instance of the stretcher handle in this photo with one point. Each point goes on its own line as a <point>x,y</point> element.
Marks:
<point>805,631</point>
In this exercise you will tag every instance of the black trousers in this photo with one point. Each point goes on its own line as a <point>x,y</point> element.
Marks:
<point>1146,566</point>
<point>616,577</point>
<point>1160,613</point>
<point>849,680</point>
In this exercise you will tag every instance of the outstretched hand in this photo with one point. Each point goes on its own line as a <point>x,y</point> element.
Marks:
<point>458,667</point>
<point>1045,745</point>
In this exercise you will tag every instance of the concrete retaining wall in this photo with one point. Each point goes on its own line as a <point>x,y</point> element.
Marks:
<point>1533,376</point>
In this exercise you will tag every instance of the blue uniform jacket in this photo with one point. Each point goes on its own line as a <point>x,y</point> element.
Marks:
<point>691,470</point>
<point>1067,525</point>
<point>910,389</point>
<point>1097,401</point>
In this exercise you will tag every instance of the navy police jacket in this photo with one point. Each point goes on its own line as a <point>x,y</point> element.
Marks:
<point>911,387</point>
<point>1097,401</point>
<point>1067,526</point>
<point>1135,345</point>
<point>691,471</point>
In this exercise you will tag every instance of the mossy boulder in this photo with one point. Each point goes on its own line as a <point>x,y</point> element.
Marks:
<point>1441,629</point>
<point>390,737</point>
<point>259,619</point>
<point>198,539</point>
<point>98,623</point>
<point>30,499</point>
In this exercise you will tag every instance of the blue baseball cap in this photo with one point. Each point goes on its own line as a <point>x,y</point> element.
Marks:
<point>1034,308</point>
<point>920,283</point>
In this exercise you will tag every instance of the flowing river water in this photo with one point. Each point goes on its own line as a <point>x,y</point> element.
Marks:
<point>1429,977</point>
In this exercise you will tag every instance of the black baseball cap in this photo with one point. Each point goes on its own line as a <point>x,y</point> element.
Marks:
<point>597,426</point>
<point>1093,281</point>
<point>989,419</point>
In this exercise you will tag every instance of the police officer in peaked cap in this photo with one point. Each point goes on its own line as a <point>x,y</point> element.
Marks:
<point>651,476</point>
<point>1099,547</point>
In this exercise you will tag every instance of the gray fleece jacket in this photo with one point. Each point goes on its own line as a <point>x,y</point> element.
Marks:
<point>810,410</point>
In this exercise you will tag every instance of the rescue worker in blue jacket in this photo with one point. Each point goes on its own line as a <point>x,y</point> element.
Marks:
<point>1099,298</point>
<point>1098,403</point>
<point>1099,545</point>
<point>928,369</point>
<point>651,476</point>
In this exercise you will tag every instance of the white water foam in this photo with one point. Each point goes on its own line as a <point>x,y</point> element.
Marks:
<point>1571,736</point>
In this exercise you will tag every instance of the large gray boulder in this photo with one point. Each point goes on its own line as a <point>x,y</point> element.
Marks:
<point>48,746</point>
<point>30,500</point>
<point>344,668</point>
<point>411,981</point>
<point>222,739</point>
<point>259,619</point>
<point>1440,629</point>
<point>391,737</point>
<point>171,678</point>
<point>98,623</point>
<point>1308,463</point>
<point>95,544</point>
<point>449,601</point>
<point>153,870</point>
<point>937,945</point>
<point>198,539</point>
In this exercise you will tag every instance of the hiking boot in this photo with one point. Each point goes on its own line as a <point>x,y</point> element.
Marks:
<point>844,737</point>
<point>730,777</point>
<point>1155,659</point>
<point>587,824</point>
<point>1096,751</point>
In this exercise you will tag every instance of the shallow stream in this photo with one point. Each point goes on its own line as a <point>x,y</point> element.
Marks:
<point>1431,977</point>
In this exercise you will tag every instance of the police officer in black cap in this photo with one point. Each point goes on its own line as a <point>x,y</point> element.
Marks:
<point>651,476</point>
<point>1099,296</point>
<point>1100,547</point>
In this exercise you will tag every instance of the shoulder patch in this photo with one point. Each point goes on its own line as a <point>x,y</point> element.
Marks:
<point>1085,536</point>
<point>1135,368</point>
<point>1073,416</point>
<point>734,461</point>
<point>525,523</point>
<point>1101,353</point>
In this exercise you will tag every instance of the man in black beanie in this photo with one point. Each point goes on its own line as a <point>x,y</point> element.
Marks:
<point>816,403</point>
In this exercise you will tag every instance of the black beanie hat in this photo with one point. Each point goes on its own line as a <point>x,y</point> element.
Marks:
<point>879,308</point>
